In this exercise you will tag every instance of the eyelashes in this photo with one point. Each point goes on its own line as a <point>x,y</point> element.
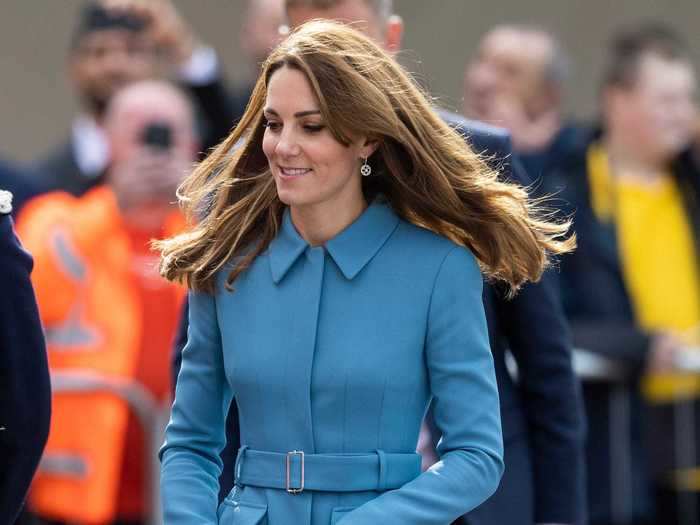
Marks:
<point>274,127</point>
<point>313,128</point>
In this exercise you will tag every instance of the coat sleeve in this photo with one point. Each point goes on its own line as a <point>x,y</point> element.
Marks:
<point>233,434</point>
<point>540,342</point>
<point>194,438</point>
<point>465,404</point>
<point>25,392</point>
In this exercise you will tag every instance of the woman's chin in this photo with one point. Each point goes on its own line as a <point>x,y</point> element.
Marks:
<point>290,198</point>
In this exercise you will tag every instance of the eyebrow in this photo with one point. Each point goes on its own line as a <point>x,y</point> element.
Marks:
<point>298,114</point>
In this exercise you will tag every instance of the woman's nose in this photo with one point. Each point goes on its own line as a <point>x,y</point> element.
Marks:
<point>287,145</point>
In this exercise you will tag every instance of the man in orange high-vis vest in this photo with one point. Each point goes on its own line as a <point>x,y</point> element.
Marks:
<point>104,307</point>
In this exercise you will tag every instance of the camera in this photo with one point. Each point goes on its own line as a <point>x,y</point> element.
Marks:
<point>157,135</point>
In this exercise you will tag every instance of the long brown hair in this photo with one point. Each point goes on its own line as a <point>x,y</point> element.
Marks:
<point>422,166</point>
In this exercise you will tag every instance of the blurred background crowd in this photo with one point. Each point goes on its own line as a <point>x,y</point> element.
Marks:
<point>601,104</point>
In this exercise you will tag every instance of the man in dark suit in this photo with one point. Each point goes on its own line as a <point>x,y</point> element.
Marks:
<point>118,42</point>
<point>541,412</point>
<point>25,395</point>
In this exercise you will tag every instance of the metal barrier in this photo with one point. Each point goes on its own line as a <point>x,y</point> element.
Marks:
<point>595,368</point>
<point>151,415</point>
<point>592,367</point>
<point>588,366</point>
<point>685,436</point>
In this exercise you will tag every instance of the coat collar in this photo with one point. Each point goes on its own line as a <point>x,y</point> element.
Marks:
<point>351,249</point>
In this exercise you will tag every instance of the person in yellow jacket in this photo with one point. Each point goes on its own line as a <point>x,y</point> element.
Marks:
<point>632,289</point>
<point>104,307</point>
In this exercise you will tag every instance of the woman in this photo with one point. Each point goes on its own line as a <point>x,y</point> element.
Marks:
<point>334,294</point>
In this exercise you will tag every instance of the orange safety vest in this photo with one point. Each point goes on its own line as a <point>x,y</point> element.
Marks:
<point>92,318</point>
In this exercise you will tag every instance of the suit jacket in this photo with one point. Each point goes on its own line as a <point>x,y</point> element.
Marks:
<point>25,395</point>
<point>542,414</point>
<point>328,351</point>
<point>20,183</point>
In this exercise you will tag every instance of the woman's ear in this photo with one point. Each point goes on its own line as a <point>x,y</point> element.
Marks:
<point>369,147</point>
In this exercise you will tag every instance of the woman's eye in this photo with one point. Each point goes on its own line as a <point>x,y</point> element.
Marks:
<point>313,128</point>
<point>272,126</point>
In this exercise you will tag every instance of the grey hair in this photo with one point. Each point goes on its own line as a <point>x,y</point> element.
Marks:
<point>558,68</point>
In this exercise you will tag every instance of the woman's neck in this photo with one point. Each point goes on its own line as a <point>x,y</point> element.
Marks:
<point>317,224</point>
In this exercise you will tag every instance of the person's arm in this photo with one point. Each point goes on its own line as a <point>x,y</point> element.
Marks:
<point>619,340</point>
<point>539,340</point>
<point>194,438</point>
<point>233,434</point>
<point>179,344</point>
<point>25,395</point>
<point>595,305</point>
<point>465,404</point>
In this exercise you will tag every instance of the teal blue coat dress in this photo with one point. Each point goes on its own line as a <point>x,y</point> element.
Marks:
<point>332,355</point>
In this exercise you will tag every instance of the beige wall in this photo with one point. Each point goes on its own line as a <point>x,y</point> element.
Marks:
<point>36,102</point>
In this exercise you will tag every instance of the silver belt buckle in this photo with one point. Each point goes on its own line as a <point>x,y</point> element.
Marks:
<point>300,488</point>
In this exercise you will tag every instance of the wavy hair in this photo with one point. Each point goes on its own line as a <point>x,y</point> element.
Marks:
<point>422,166</point>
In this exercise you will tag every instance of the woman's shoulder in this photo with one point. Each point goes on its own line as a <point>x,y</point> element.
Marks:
<point>423,245</point>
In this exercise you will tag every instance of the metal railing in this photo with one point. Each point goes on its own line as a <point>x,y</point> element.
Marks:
<point>595,368</point>
<point>152,417</point>
<point>592,367</point>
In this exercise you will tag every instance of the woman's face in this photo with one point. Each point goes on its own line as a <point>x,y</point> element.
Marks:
<point>309,165</point>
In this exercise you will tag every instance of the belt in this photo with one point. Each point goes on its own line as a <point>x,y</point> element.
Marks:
<point>296,471</point>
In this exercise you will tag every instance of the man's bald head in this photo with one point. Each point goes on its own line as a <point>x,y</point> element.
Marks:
<point>519,61</point>
<point>141,104</point>
<point>544,48</point>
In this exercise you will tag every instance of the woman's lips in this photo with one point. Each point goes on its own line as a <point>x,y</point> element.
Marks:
<point>293,172</point>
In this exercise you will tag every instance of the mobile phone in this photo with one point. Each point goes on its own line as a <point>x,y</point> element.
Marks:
<point>157,135</point>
